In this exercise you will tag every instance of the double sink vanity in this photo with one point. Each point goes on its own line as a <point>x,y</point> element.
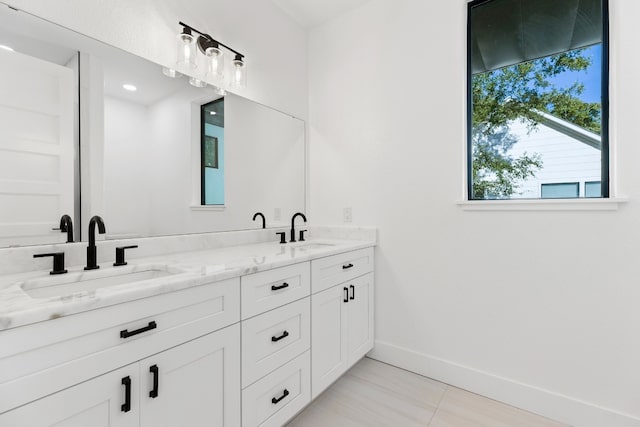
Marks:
<point>208,322</point>
<point>202,334</point>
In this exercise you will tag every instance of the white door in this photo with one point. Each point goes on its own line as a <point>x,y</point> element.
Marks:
<point>95,403</point>
<point>328,337</point>
<point>360,317</point>
<point>36,149</point>
<point>198,383</point>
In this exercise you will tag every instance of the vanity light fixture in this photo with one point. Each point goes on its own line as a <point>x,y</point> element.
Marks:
<point>187,49</point>
<point>214,56</point>
<point>129,87</point>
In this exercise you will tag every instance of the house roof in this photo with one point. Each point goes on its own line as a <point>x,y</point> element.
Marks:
<point>571,130</point>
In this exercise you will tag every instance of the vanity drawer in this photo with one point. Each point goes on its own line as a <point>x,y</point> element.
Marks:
<point>333,270</point>
<point>276,398</point>
<point>272,339</point>
<point>34,358</point>
<point>267,290</point>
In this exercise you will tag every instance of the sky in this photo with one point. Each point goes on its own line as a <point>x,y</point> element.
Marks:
<point>590,77</point>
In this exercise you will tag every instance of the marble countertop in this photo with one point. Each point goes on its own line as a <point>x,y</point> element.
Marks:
<point>32,297</point>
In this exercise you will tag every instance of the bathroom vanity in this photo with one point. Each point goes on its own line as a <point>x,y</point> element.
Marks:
<point>215,329</point>
<point>244,335</point>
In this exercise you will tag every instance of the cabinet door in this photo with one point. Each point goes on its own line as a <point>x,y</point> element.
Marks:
<point>328,337</point>
<point>96,403</point>
<point>195,384</point>
<point>360,317</point>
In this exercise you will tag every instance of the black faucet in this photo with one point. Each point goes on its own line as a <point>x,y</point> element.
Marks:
<point>293,226</point>
<point>256,215</point>
<point>66,226</point>
<point>58,262</point>
<point>91,249</point>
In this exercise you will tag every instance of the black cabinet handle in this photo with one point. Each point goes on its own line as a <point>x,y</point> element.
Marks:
<point>348,266</point>
<point>126,334</point>
<point>284,335</point>
<point>277,288</point>
<point>353,292</point>
<point>154,391</point>
<point>285,393</point>
<point>126,406</point>
<point>346,294</point>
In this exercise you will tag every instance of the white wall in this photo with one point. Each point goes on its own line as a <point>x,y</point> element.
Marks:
<point>275,46</point>
<point>457,296</point>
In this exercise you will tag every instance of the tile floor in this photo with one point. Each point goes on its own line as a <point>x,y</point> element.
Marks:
<point>374,394</point>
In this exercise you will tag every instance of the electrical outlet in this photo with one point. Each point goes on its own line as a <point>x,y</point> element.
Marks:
<point>346,215</point>
<point>276,214</point>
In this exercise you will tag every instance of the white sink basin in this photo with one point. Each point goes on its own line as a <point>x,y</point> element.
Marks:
<point>308,246</point>
<point>73,283</point>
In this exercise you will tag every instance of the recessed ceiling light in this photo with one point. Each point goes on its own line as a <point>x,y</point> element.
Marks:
<point>130,88</point>
<point>5,47</point>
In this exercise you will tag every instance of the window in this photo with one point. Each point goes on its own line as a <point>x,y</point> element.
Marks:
<point>563,190</point>
<point>592,189</point>
<point>212,152</point>
<point>537,99</point>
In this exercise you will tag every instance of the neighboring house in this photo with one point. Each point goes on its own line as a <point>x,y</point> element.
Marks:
<point>571,158</point>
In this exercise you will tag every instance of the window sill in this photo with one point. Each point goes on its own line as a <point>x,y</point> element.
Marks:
<point>610,204</point>
<point>211,208</point>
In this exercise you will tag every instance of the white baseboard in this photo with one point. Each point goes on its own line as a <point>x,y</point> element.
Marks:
<point>556,406</point>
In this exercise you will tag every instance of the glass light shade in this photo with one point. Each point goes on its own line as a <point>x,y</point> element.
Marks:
<point>194,81</point>
<point>187,50</point>
<point>239,73</point>
<point>215,63</point>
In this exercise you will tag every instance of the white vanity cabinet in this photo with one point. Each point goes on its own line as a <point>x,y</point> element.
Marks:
<point>250,351</point>
<point>342,315</point>
<point>194,384</point>
<point>96,403</point>
<point>80,370</point>
<point>276,371</point>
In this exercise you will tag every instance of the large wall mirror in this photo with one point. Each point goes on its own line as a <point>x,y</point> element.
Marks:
<point>88,129</point>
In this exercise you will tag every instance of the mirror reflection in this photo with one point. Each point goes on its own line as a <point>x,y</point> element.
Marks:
<point>87,129</point>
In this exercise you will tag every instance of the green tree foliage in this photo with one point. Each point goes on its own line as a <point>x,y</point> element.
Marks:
<point>519,92</point>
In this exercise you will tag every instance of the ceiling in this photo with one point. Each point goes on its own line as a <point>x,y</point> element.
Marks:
<point>311,13</point>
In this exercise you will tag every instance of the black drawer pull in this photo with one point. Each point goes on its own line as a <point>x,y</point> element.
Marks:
<point>277,288</point>
<point>275,401</point>
<point>126,334</point>
<point>353,292</point>
<point>346,294</point>
<point>284,335</point>
<point>348,266</point>
<point>154,392</point>
<point>126,406</point>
